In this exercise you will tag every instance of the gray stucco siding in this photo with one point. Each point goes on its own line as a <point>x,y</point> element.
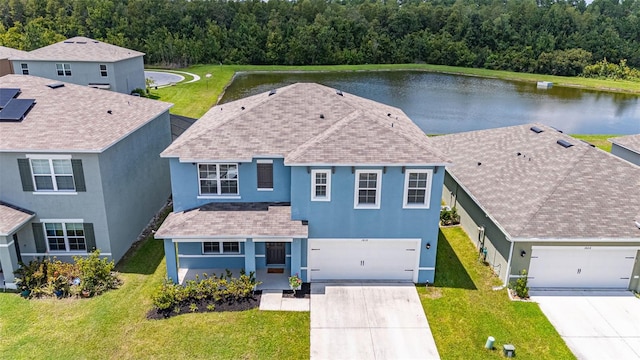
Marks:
<point>471,218</point>
<point>626,154</point>
<point>128,75</point>
<point>136,182</point>
<point>88,206</point>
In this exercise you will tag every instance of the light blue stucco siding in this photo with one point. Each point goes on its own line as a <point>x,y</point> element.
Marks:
<point>624,153</point>
<point>190,256</point>
<point>185,186</point>
<point>171,260</point>
<point>338,218</point>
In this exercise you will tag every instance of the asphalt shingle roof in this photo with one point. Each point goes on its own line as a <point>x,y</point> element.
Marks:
<point>306,124</point>
<point>6,52</point>
<point>631,142</point>
<point>73,117</point>
<point>80,49</point>
<point>233,220</point>
<point>12,217</point>
<point>535,188</point>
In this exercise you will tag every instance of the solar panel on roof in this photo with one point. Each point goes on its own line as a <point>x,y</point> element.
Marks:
<point>7,94</point>
<point>16,109</point>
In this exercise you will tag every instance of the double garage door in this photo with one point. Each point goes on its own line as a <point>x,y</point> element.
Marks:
<point>363,259</point>
<point>581,267</point>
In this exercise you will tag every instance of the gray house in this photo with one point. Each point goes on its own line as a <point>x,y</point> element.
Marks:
<point>532,198</point>
<point>627,147</point>
<point>79,169</point>
<point>5,64</point>
<point>85,61</point>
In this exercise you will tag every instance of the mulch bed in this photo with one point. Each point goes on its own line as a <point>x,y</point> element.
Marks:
<point>303,293</point>
<point>244,304</point>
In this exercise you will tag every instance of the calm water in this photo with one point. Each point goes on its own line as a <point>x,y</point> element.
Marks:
<point>442,104</point>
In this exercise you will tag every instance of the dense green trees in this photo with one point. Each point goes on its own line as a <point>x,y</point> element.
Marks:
<point>548,36</point>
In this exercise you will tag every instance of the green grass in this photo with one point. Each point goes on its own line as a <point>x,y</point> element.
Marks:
<point>114,326</point>
<point>194,99</point>
<point>463,310</point>
<point>599,141</point>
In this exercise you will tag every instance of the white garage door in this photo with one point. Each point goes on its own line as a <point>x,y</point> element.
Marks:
<point>581,267</point>
<point>363,259</point>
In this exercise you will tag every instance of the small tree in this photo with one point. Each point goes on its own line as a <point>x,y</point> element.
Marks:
<point>520,287</point>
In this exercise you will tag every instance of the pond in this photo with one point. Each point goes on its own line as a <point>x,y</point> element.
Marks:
<point>442,103</point>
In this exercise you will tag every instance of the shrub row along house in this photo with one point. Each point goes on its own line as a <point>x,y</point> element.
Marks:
<point>538,200</point>
<point>79,169</point>
<point>81,61</point>
<point>308,180</point>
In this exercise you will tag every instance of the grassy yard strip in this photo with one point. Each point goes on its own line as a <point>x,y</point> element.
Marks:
<point>194,99</point>
<point>463,310</point>
<point>600,141</point>
<point>114,325</point>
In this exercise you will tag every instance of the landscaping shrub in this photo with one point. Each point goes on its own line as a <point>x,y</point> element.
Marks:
<point>449,216</point>
<point>46,277</point>
<point>520,286</point>
<point>208,289</point>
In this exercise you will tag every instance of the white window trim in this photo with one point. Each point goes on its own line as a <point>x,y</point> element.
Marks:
<point>313,185</point>
<point>427,196</point>
<point>64,69</point>
<point>264,161</point>
<point>52,174</point>
<point>219,195</point>
<point>64,222</point>
<point>106,70</point>
<point>221,247</point>
<point>378,188</point>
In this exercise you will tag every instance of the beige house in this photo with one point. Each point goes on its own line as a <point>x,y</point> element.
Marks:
<point>534,199</point>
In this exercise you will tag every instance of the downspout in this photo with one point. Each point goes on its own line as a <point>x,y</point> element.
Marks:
<point>508,273</point>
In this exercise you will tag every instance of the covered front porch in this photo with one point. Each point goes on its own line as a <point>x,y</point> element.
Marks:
<point>269,280</point>
<point>255,237</point>
<point>12,219</point>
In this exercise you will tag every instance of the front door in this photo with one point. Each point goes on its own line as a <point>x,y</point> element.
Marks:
<point>275,253</point>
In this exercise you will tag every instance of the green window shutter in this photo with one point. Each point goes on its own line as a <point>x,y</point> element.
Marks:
<point>89,237</point>
<point>25,174</point>
<point>78,175</point>
<point>38,236</point>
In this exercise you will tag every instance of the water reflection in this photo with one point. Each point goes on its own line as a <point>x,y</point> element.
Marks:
<point>441,103</point>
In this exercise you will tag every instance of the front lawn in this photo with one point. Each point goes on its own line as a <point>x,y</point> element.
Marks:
<point>114,325</point>
<point>463,310</point>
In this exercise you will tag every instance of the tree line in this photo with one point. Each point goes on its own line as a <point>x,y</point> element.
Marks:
<point>542,36</point>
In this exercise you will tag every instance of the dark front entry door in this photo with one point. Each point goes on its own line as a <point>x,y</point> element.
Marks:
<point>275,253</point>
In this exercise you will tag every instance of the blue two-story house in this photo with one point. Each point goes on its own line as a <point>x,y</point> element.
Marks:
<point>308,180</point>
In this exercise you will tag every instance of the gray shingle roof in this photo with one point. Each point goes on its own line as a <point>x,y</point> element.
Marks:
<point>306,124</point>
<point>73,117</point>
<point>80,49</point>
<point>547,191</point>
<point>11,217</point>
<point>6,52</point>
<point>233,220</point>
<point>631,142</point>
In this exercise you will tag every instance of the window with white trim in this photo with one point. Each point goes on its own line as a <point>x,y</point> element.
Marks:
<point>65,237</point>
<point>25,68</point>
<point>221,247</point>
<point>218,179</point>
<point>320,185</point>
<point>63,69</point>
<point>417,188</point>
<point>103,70</point>
<point>52,174</point>
<point>367,189</point>
<point>264,169</point>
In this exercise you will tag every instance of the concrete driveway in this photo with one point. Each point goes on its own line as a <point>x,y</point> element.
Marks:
<point>369,321</point>
<point>594,324</point>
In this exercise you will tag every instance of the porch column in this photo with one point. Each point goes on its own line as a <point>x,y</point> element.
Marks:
<point>249,256</point>
<point>9,261</point>
<point>296,257</point>
<point>171,259</point>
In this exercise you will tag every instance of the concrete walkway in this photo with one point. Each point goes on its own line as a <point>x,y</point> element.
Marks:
<point>369,321</point>
<point>596,325</point>
<point>272,300</point>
